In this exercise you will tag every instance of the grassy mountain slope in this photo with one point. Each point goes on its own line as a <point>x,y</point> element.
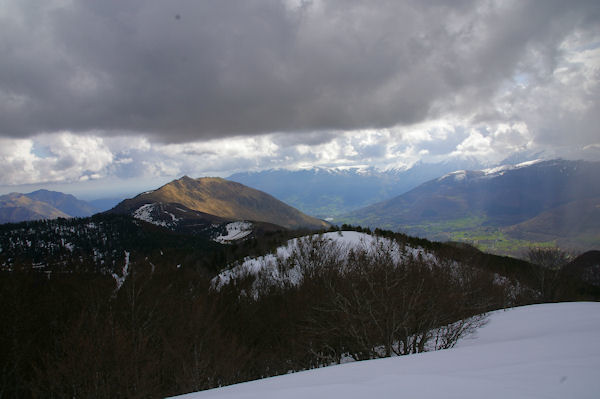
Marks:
<point>225,199</point>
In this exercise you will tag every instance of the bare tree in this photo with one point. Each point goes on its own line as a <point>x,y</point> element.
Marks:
<point>376,304</point>
<point>549,261</point>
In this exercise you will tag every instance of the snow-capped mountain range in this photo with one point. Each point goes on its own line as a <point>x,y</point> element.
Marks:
<point>554,201</point>
<point>328,192</point>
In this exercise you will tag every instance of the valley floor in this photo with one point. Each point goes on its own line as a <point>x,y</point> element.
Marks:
<point>538,351</point>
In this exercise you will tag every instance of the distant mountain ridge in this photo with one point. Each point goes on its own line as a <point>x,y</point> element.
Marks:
<point>41,204</point>
<point>551,201</point>
<point>329,192</point>
<point>67,203</point>
<point>17,207</point>
<point>224,199</point>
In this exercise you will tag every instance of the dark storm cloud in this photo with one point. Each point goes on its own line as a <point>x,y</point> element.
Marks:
<point>187,70</point>
<point>309,138</point>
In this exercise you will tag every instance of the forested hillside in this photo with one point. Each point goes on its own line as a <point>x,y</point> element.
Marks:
<point>111,306</point>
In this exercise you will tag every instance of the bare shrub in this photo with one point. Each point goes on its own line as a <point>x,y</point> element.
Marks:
<point>376,304</point>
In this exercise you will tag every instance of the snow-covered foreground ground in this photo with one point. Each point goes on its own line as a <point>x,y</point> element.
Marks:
<point>539,351</point>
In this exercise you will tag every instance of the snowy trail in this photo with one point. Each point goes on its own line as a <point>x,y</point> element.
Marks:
<point>538,351</point>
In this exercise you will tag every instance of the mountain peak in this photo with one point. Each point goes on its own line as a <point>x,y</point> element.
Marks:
<point>200,180</point>
<point>225,199</point>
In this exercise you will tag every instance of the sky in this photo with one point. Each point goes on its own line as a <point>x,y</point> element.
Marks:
<point>115,96</point>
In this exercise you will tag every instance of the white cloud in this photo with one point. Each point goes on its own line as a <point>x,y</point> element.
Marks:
<point>17,161</point>
<point>476,145</point>
<point>60,157</point>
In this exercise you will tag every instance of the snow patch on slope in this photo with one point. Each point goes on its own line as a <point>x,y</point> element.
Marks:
<point>235,231</point>
<point>499,170</point>
<point>146,212</point>
<point>458,175</point>
<point>124,273</point>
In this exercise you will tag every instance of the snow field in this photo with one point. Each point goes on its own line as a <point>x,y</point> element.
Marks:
<point>537,351</point>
